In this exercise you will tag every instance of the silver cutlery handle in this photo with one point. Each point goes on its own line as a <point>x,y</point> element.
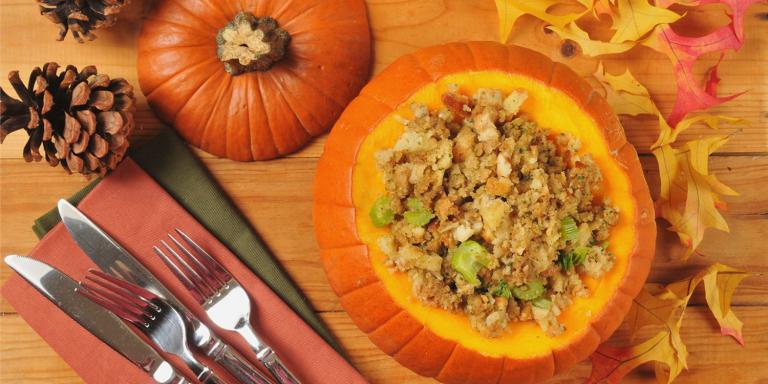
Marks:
<point>267,356</point>
<point>236,365</point>
<point>204,374</point>
<point>276,367</point>
<point>211,379</point>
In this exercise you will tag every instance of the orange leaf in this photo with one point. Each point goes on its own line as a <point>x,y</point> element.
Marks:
<point>603,7</point>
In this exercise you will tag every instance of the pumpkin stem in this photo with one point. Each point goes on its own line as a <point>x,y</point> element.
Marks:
<point>249,43</point>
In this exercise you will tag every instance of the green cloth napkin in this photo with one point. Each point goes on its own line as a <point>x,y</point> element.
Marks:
<point>173,165</point>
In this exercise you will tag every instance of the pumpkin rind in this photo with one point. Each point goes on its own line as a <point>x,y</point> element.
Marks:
<point>256,115</point>
<point>346,259</point>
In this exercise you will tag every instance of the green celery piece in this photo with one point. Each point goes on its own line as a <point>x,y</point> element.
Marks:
<point>417,214</point>
<point>468,258</point>
<point>529,291</point>
<point>503,290</point>
<point>568,229</point>
<point>381,213</point>
<point>578,255</point>
<point>542,302</point>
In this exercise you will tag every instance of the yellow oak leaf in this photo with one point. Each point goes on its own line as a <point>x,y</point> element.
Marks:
<point>669,135</point>
<point>648,309</point>
<point>625,94</point>
<point>720,282</point>
<point>665,307</point>
<point>590,47</point>
<point>720,285</point>
<point>699,160</point>
<point>695,211</point>
<point>611,364</point>
<point>635,18</point>
<point>510,10</point>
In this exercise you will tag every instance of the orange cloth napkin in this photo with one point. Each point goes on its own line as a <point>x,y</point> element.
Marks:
<point>137,212</point>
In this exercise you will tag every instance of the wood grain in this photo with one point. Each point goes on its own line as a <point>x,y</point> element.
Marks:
<point>276,196</point>
<point>714,358</point>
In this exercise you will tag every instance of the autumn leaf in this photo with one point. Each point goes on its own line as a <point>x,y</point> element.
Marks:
<point>625,94</point>
<point>589,47</point>
<point>738,8</point>
<point>650,309</point>
<point>611,364</point>
<point>603,7</point>
<point>689,197</point>
<point>719,292</point>
<point>683,52</point>
<point>665,307</point>
<point>669,135</point>
<point>720,281</point>
<point>510,10</point>
<point>635,18</point>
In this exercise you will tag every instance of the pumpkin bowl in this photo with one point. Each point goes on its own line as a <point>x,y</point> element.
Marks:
<point>435,342</point>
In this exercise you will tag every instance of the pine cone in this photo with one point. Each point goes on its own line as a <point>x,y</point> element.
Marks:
<point>82,120</point>
<point>81,16</point>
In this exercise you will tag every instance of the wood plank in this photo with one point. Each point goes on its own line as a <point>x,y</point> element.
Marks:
<point>263,191</point>
<point>713,358</point>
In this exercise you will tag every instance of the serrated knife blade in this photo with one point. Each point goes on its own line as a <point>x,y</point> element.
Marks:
<point>60,289</point>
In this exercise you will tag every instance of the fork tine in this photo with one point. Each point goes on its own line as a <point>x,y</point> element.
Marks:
<point>127,301</point>
<point>110,306</point>
<point>219,271</point>
<point>204,272</point>
<point>140,292</point>
<point>191,287</point>
<point>206,290</point>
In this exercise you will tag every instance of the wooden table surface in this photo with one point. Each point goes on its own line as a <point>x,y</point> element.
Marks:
<point>276,196</point>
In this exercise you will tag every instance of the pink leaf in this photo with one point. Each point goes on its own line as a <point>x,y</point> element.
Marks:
<point>683,51</point>
<point>738,10</point>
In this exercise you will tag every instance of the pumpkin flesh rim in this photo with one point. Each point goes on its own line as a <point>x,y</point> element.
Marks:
<point>521,339</point>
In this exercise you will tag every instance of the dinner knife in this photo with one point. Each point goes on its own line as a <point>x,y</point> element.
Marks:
<point>112,258</point>
<point>60,289</point>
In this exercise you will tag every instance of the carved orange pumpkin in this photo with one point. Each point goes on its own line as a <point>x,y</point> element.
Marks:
<point>435,342</point>
<point>286,81</point>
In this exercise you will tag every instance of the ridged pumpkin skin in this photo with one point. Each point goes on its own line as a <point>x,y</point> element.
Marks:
<point>434,342</point>
<point>256,115</point>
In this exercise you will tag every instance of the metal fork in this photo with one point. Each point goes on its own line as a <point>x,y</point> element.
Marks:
<point>224,299</point>
<point>151,314</point>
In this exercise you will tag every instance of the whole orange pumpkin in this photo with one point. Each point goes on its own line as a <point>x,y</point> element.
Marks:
<point>253,80</point>
<point>435,342</point>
